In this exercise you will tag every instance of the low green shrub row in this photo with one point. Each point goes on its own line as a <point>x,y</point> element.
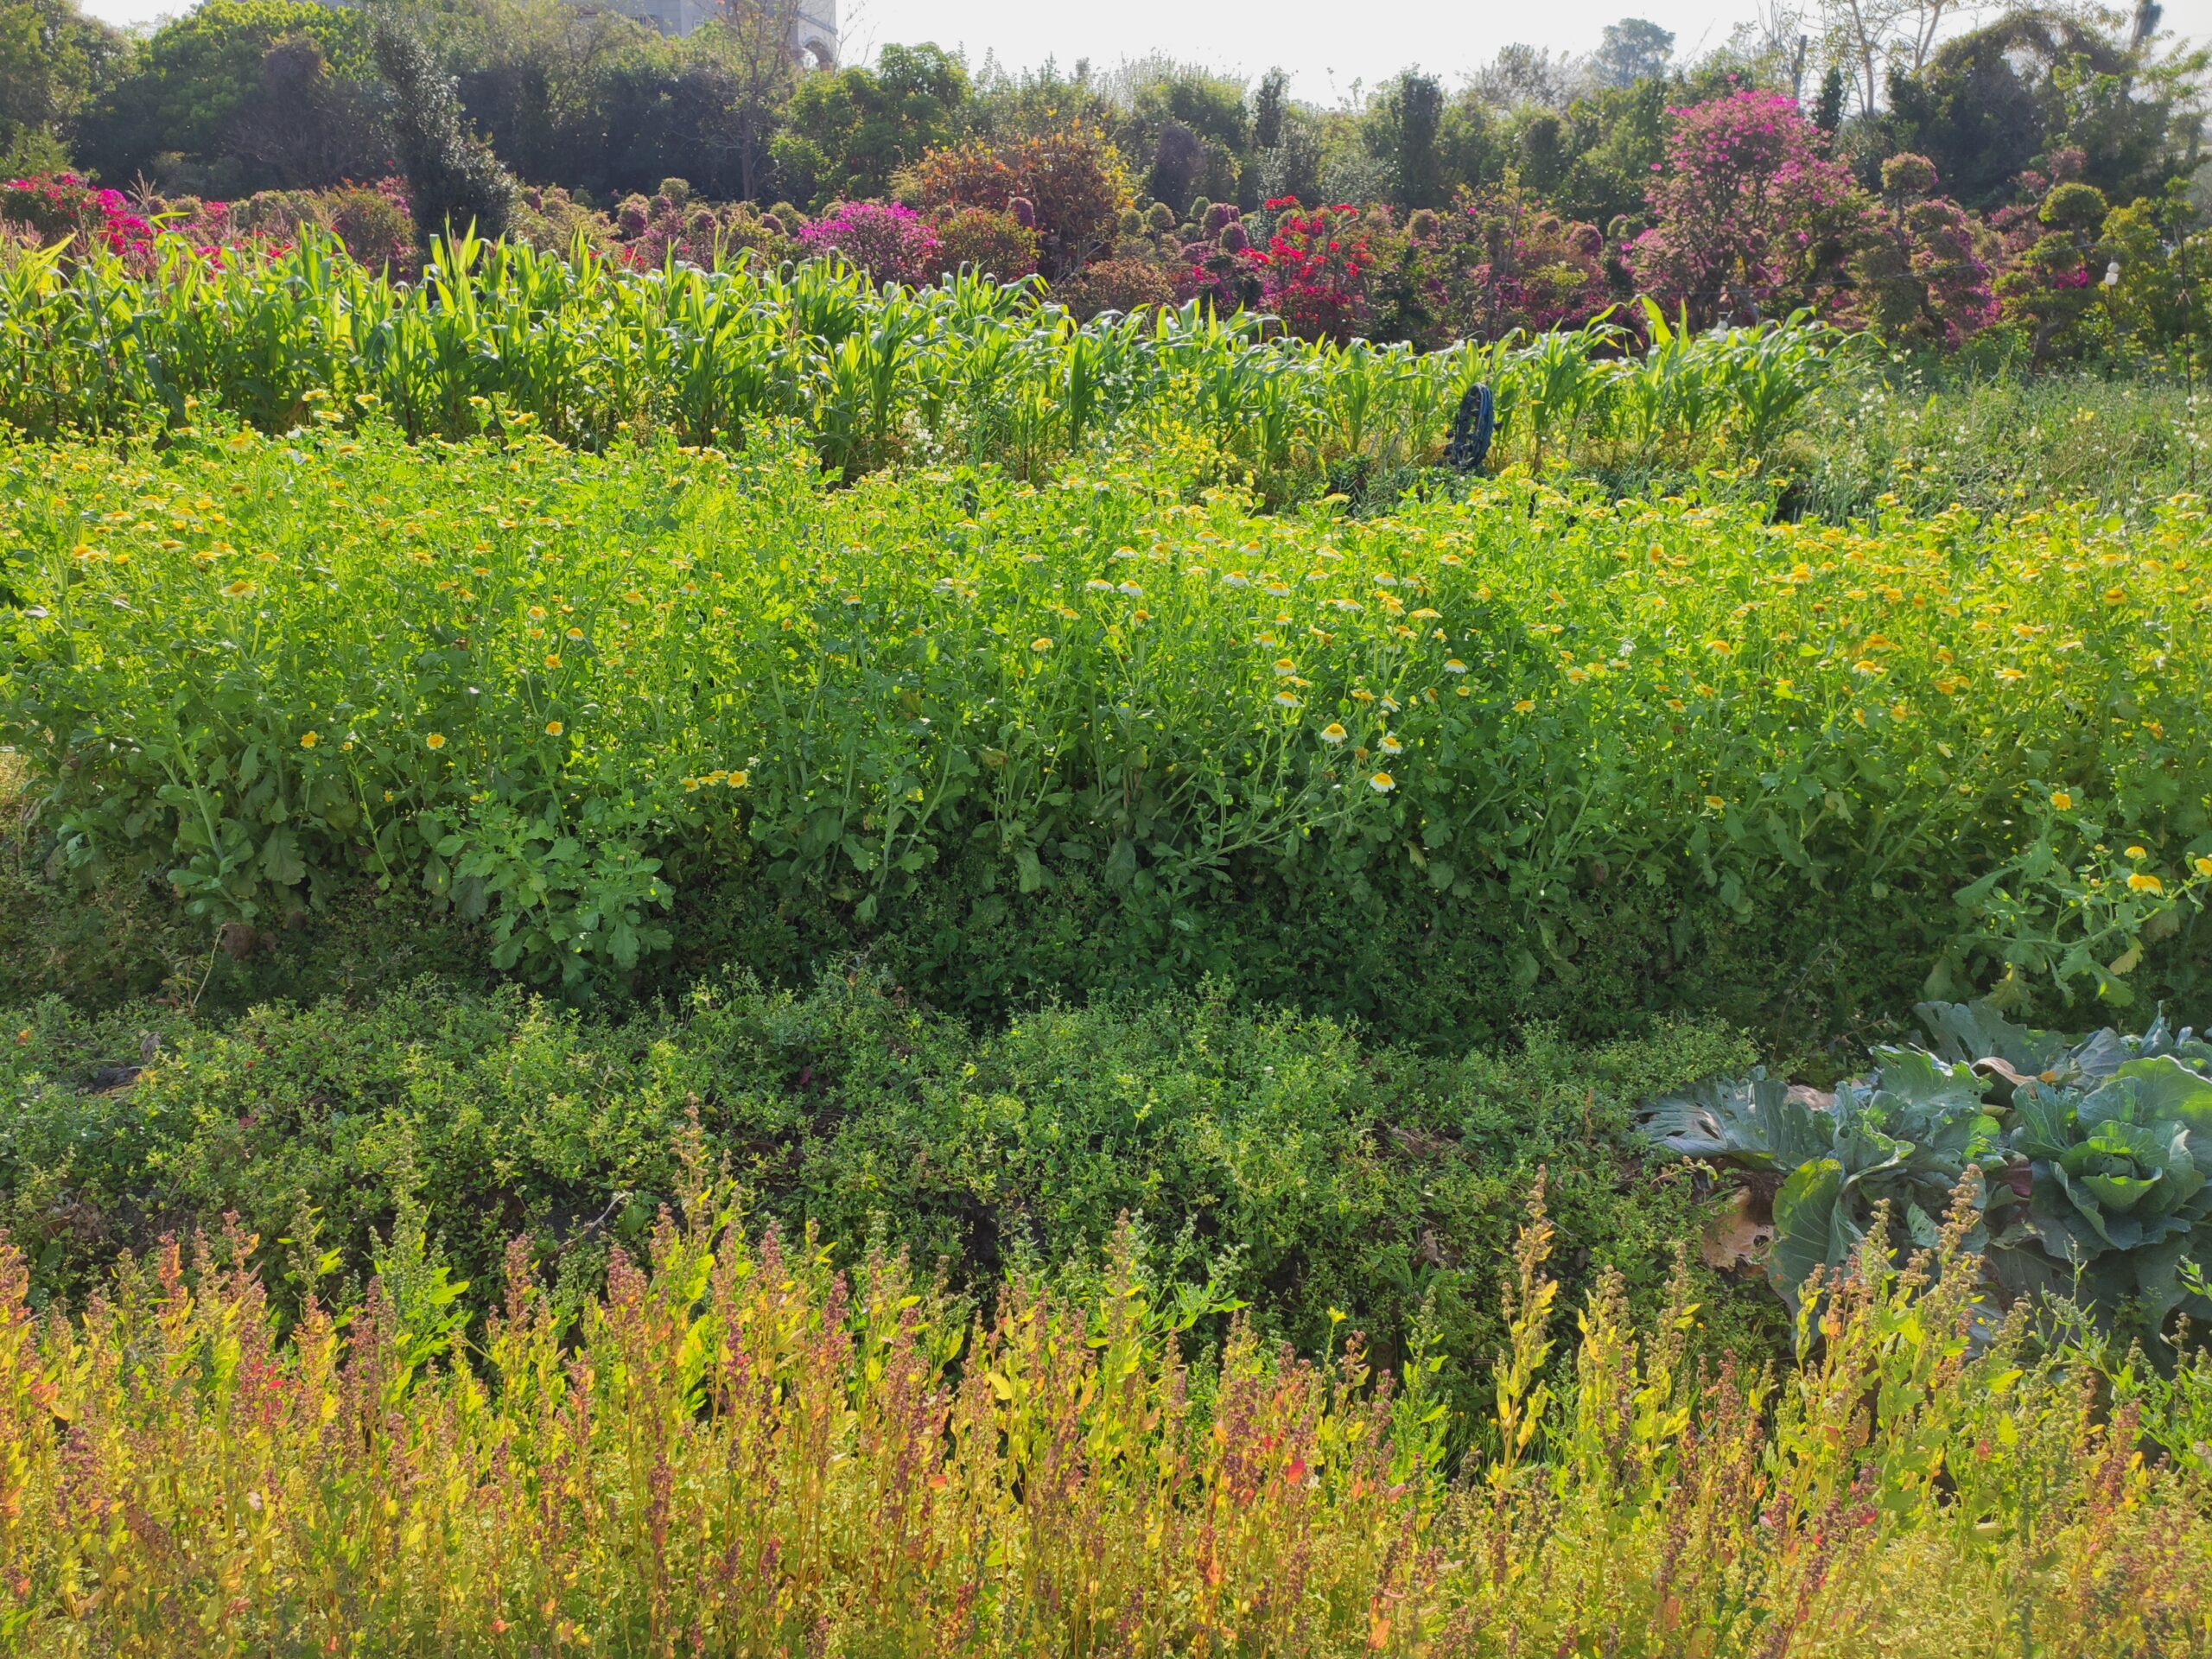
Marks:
<point>1306,1171</point>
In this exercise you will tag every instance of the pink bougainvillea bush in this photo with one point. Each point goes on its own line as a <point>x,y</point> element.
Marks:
<point>1751,217</point>
<point>371,221</point>
<point>888,240</point>
<point>65,208</point>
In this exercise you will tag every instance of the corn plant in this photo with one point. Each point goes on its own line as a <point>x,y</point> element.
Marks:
<point>507,339</point>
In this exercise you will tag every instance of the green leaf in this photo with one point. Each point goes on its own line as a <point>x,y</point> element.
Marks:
<point>280,857</point>
<point>2167,1091</point>
<point>1811,1228</point>
<point>2120,1192</point>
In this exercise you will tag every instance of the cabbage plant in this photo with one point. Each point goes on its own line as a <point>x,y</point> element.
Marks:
<point>2095,1155</point>
<point>1904,1138</point>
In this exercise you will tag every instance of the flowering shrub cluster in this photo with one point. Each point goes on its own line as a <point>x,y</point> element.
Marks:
<point>1068,185</point>
<point>647,232</point>
<point>1314,269</point>
<point>891,242</point>
<point>64,208</point>
<point>1749,215</point>
<point>370,222</point>
<point>1916,269</point>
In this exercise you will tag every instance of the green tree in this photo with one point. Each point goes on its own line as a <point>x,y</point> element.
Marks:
<point>1003,108</point>
<point>846,136</point>
<point>453,180</point>
<point>198,76</point>
<point>53,59</point>
<point>1827,109</point>
<point>1994,103</point>
<point>1270,102</point>
<point>1405,128</point>
<point>1192,126</point>
<point>560,93</point>
<point>1631,50</point>
<point>1609,144</point>
<point>748,46</point>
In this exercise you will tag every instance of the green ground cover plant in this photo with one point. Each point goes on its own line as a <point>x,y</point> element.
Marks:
<point>740,1450</point>
<point>1309,1174</point>
<point>1528,751</point>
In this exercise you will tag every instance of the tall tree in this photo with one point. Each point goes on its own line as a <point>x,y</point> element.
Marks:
<point>1631,50</point>
<point>749,43</point>
<point>53,59</point>
<point>1270,102</point>
<point>1878,39</point>
<point>1521,74</point>
<point>309,127</point>
<point>193,80</point>
<point>847,134</point>
<point>1403,127</point>
<point>453,180</point>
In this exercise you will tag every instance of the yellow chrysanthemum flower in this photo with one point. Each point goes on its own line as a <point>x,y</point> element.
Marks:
<point>435,740</point>
<point>1381,783</point>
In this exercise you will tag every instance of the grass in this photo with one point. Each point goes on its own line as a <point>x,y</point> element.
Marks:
<point>1893,438</point>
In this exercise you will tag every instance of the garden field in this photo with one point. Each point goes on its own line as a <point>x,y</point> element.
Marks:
<point>723,962</point>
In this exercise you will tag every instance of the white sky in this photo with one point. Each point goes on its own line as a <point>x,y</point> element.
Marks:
<point>1316,40</point>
